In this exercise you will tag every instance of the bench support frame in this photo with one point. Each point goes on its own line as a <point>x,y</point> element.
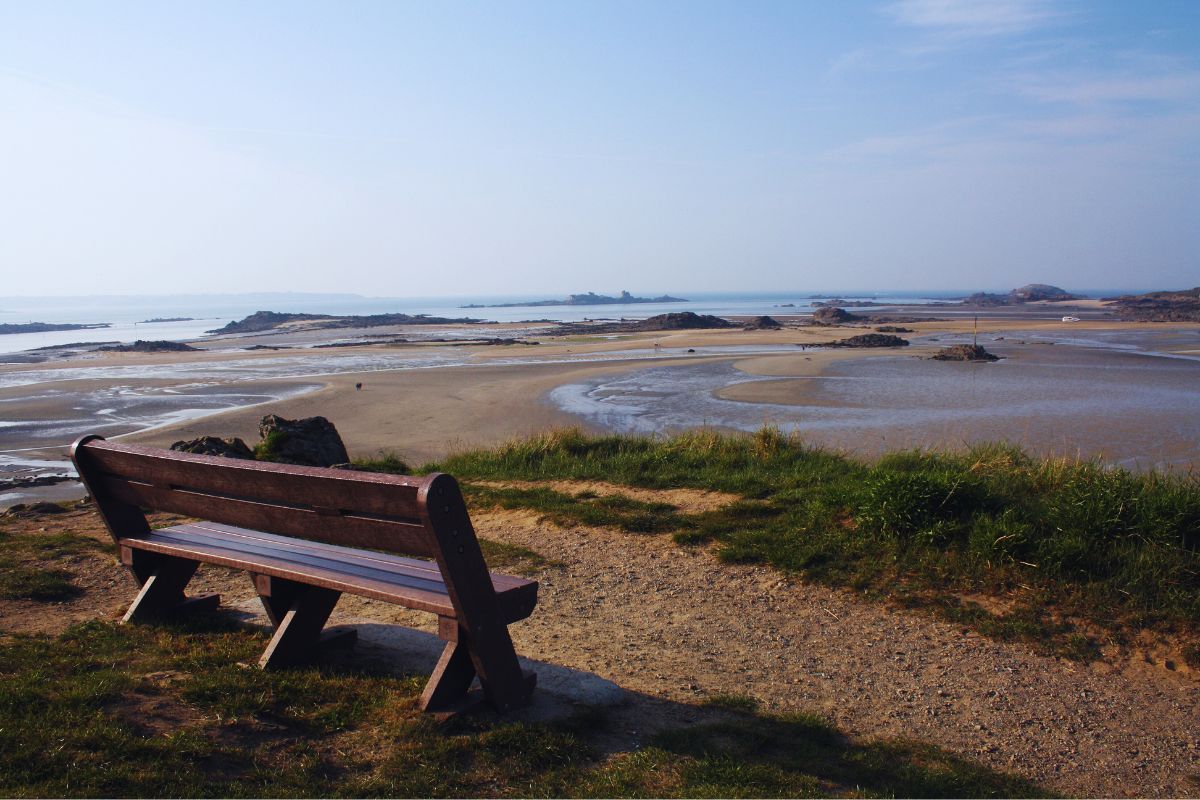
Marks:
<point>162,580</point>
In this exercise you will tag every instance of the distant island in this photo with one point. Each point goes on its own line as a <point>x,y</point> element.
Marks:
<point>588,299</point>
<point>167,319</point>
<point>1030,293</point>
<point>269,320</point>
<point>45,327</point>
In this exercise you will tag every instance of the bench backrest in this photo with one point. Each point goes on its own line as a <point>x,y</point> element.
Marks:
<point>358,509</point>
<point>419,516</point>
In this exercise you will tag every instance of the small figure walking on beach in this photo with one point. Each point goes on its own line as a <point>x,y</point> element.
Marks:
<point>358,387</point>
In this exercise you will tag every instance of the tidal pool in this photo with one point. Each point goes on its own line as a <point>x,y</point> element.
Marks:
<point>1120,403</point>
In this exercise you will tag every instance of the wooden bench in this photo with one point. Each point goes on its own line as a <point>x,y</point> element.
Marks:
<point>306,535</point>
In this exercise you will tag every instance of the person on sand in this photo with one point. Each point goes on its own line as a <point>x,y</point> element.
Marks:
<point>358,387</point>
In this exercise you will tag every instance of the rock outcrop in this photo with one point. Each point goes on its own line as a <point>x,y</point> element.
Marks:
<point>261,321</point>
<point>680,321</point>
<point>870,340</point>
<point>964,352</point>
<point>312,441</point>
<point>144,346</point>
<point>1038,292</point>
<point>763,323</point>
<point>265,321</point>
<point>834,316</point>
<point>213,446</point>
<point>33,510</point>
<point>44,327</point>
<point>1029,293</point>
<point>1181,306</point>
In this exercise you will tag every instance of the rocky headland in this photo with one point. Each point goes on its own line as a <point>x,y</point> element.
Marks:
<point>1175,306</point>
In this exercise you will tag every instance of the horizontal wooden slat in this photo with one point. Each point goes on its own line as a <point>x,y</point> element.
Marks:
<point>354,531</point>
<point>423,601</point>
<point>425,579</point>
<point>363,493</point>
<point>385,561</point>
<point>393,579</point>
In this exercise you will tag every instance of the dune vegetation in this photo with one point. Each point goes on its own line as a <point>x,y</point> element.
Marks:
<point>1082,554</point>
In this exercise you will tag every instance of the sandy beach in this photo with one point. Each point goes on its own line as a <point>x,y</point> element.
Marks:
<point>425,400</point>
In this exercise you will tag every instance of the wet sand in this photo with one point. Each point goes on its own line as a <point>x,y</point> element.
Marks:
<point>424,401</point>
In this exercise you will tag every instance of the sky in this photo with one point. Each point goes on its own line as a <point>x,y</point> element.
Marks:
<point>446,148</point>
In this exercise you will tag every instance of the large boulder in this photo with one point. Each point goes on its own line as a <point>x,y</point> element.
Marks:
<point>312,441</point>
<point>834,316</point>
<point>680,320</point>
<point>870,340</point>
<point>964,352</point>
<point>212,446</point>
<point>763,323</point>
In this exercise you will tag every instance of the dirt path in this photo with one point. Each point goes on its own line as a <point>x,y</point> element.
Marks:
<point>674,623</point>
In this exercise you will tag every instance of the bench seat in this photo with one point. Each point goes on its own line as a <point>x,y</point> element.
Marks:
<point>411,582</point>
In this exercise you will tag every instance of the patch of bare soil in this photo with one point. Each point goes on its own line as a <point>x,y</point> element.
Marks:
<point>674,625</point>
<point>688,501</point>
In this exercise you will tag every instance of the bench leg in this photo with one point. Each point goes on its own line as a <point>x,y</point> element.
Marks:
<point>504,684</point>
<point>450,680</point>
<point>298,612</point>
<point>163,579</point>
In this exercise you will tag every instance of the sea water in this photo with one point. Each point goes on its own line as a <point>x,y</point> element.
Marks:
<point>128,317</point>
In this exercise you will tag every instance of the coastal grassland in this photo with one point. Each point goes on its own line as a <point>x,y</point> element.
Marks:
<point>33,566</point>
<point>1069,554</point>
<point>107,710</point>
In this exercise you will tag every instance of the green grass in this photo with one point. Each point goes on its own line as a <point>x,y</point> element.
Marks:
<point>506,557</point>
<point>268,448</point>
<point>1062,540</point>
<point>29,565</point>
<point>111,711</point>
<point>387,461</point>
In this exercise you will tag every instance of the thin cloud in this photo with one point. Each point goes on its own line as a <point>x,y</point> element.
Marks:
<point>965,19</point>
<point>1177,87</point>
<point>849,62</point>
